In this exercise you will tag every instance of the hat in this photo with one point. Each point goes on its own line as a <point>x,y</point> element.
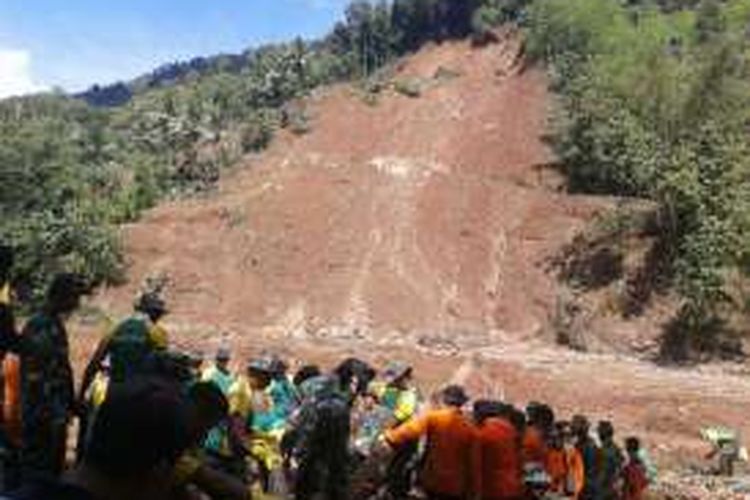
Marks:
<point>150,303</point>
<point>320,387</point>
<point>455,395</point>
<point>260,366</point>
<point>277,365</point>
<point>396,371</point>
<point>223,354</point>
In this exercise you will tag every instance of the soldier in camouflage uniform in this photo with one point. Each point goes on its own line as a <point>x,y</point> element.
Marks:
<point>318,438</point>
<point>47,397</point>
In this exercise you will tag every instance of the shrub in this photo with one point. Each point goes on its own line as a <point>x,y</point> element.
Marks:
<point>410,87</point>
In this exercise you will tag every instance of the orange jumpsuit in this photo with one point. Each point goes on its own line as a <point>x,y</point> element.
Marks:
<point>447,468</point>
<point>534,447</point>
<point>565,467</point>
<point>12,398</point>
<point>498,461</point>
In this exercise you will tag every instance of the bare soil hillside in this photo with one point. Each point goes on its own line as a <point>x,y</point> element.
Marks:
<point>413,214</point>
<point>420,228</point>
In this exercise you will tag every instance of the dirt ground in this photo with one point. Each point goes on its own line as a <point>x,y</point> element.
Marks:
<point>417,228</point>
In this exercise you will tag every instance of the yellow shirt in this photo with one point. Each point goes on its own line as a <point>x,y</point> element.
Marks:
<point>240,397</point>
<point>159,336</point>
<point>5,294</point>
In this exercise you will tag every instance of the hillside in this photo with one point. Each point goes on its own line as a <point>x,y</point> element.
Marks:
<point>419,228</point>
<point>414,215</point>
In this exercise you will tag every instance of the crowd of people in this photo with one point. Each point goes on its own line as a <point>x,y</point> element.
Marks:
<point>156,424</point>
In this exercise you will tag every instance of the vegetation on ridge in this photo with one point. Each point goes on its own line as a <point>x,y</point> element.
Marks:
<point>655,103</point>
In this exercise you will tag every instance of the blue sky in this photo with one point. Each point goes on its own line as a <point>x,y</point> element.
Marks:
<point>75,43</point>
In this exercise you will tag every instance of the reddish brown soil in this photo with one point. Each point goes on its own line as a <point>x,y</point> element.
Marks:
<point>412,214</point>
<point>417,228</point>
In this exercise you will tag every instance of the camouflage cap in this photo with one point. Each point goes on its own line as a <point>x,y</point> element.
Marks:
<point>321,386</point>
<point>396,371</point>
<point>260,366</point>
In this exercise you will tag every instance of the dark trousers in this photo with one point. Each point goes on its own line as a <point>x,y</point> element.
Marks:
<point>401,470</point>
<point>323,474</point>
<point>11,467</point>
<point>44,447</point>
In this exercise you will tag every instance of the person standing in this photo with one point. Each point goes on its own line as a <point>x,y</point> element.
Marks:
<point>139,433</point>
<point>589,452</point>
<point>497,455</point>
<point>47,394</point>
<point>219,372</point>
<point>133,345</point>
<point>634,474</point>
<point>446,473</point>
<point>401,398</point>
<point>318,439</point>
<point>223,443</point>
<point>610,461</point>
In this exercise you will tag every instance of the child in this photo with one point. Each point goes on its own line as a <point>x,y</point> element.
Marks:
<point>634,475</point>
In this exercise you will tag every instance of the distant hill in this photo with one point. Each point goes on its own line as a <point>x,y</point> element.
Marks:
<point>120,93</point>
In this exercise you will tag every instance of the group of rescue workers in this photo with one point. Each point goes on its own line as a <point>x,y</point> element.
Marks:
<point>154,424</point>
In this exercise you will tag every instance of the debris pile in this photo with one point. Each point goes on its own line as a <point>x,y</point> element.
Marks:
<point>694,485</point>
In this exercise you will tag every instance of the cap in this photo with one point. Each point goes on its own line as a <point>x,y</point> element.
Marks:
<point>261,366</point>
<point>396,371</point>
<point>150,302</point>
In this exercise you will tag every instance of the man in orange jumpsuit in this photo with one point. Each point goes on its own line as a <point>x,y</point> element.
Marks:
<point>564,463</point>
<point>497,454</point>
<point>447,470</point>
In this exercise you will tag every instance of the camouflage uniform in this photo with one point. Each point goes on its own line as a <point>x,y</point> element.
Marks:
<point>321,430</point>
<point>47,394</point>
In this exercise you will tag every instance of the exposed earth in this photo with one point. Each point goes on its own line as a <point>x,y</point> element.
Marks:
<point>420,228</point>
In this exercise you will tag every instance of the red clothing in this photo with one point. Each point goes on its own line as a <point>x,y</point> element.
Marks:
<point>447,466</point>
<point>635,481</point>
<point>497,457</point>
<point>12,404</point>
<point>534,447</point>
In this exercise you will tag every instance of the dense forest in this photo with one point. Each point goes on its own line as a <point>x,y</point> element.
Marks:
<point>654,100</point>
<point>653,104</point>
